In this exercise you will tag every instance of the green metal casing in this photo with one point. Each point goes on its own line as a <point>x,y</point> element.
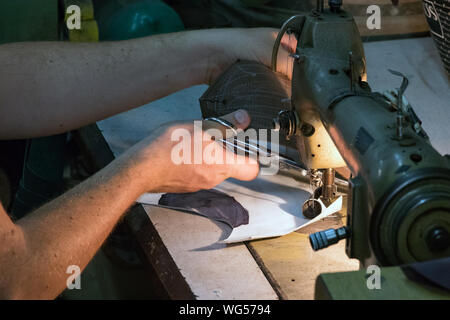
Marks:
<point>400,187</point>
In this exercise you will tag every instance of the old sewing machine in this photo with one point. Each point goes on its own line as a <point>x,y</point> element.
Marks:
<point>399,190</point>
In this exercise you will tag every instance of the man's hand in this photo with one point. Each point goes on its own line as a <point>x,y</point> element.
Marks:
<point>255,44</point>
<point>70,229</point>
<point>161,172</point>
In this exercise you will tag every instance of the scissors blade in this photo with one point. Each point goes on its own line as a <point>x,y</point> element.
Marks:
<point>260,151</point>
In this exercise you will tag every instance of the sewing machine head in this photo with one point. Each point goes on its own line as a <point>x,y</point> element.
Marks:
<point>399,190</point>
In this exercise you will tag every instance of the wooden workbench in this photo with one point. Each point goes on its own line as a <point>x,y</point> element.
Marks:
<point>183,249</point>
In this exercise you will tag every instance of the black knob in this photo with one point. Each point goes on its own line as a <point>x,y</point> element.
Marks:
<point>438,239</point>
<point>286,122</point>
<point>322,239</point>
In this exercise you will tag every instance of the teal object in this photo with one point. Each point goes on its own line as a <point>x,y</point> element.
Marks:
<point>127,19</point>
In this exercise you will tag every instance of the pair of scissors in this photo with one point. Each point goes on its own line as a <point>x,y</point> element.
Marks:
<point>255,150</point>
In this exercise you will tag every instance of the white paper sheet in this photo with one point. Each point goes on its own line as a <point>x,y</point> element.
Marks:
<point>274,204</point>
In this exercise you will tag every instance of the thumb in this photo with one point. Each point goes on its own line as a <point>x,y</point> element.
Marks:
<point>239,119</point>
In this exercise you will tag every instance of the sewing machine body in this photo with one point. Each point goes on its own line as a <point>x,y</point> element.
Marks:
<point>399,194</point>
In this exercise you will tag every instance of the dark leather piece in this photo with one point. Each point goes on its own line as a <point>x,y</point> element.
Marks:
<point>433,272</point>
<point>256,88</point>
<point>209,203</point>
<point>250,86</point>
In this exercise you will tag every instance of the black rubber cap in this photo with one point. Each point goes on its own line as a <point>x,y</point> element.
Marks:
<point>322,239</point>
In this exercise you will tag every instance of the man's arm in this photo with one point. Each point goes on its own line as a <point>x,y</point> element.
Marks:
<point>54,87</point>
<point>36,251</point>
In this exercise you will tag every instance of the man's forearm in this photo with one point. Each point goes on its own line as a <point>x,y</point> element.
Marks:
<point>67,231</point>
<point>36,251</point>
<point>55,87</point>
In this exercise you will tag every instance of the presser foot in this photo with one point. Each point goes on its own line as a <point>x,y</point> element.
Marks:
<point>325,191</point>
